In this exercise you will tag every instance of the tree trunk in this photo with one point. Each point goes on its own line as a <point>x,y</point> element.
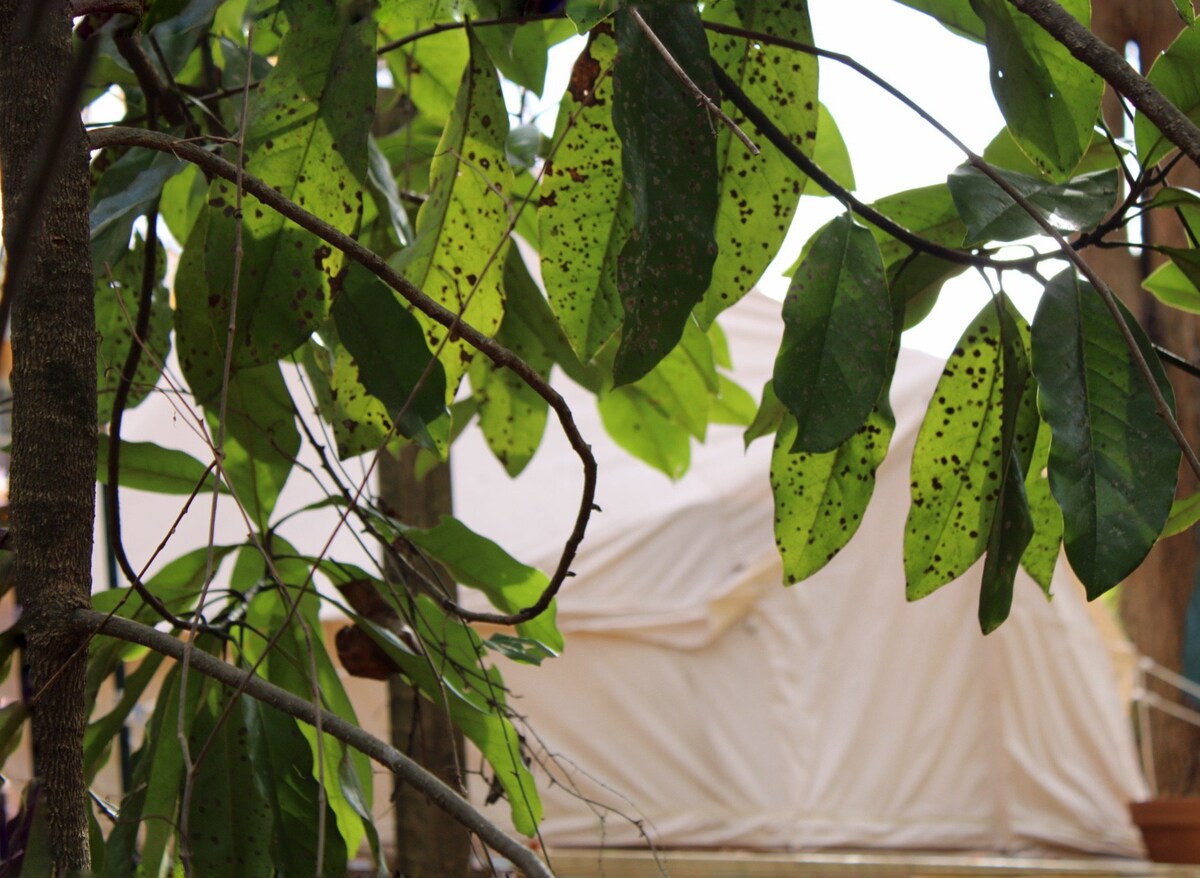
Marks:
<point>1154,600</point>
<point>430,844</point>
<point>53,468</point>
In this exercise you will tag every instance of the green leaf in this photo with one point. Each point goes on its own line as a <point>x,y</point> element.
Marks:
<point>519,51</point>
<point>1049,100</point>
<point>462,229</point>
<point>183,198</point>
<point>512,415</point>
<point>1186,13</point>
<point>956,15</point>
<point>1184,513</point>
<point>126,191</point>
<point>831,155</point>
<point>383,186</point>
<point>473,694</point>
<point>1113,462</point>
<point>669,161</point>
<point>917,278</point>
<point>1012,524</point>
<point>360,421</point>
<point>961,457</point>
<point>758,194</point>
<point>769,417</point>
<point>1041,557</point>
<point>991,214</point>
<point>586,14</point>
<point>427,70</point>
<point>834,359</point>
<point>638,426</point>
<point>820,499</point>
<point>261,439</point>
<point>388,348</point>
<point>477,562</point>
<point>1005,153</point>
<point>1176,74</point>
<point>307,138</point>
<point>733,404</point>
<point>99,736</point>
<point>230,813</point>
<point>517,649</point>
<point>149,467</point>
<point>584,213</point>
<point>1173,287</point>
<point>117,297</point>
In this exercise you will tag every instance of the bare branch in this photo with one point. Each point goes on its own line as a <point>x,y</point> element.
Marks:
<point>91,622</point>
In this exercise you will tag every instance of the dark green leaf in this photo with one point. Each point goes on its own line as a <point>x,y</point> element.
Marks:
<point>991,214</point>
<point>834,359</point>
<point>585,214</point>
<point>669,161</point>
<point>1176,74</point>
<point>1012,525</point>
<point>586,14</point>
<point>1113,462</point>
<point>1049,100</point>
<point>383,185</point>
<point>388,348</point>
<point>960,459</point>
<point>149,467</point>
<point>125,192</point>
<point>820,499</point>
<point>118,292</point>
<point>463,228</point>
<point>956,15</point>
<point>759,194</point>
<point>477,562</point>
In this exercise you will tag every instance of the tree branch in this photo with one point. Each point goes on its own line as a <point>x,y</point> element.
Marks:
<point>91,622</point>
<point>1127,82</point>
<point>497,353</point>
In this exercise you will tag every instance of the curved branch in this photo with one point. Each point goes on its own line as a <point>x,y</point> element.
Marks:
<point>91,622</point>
<point>377,265</point>
<point>1127,82</point>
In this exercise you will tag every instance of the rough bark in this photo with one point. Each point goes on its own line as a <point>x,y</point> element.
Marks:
<point>53,467</point>
<point>1154,600</point>
<point>429,843</point>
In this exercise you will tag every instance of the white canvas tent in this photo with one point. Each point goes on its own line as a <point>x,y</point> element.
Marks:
<point>700,696</point>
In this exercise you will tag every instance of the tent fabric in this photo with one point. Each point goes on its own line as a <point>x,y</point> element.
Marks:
<point>711,706</point>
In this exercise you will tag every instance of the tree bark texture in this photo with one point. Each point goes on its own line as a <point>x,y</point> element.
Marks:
<point>53,464</point>
<point>1155,598</point>
<point>429,843</point>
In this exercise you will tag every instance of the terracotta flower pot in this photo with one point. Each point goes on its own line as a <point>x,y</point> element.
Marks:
<point>1170,828</point>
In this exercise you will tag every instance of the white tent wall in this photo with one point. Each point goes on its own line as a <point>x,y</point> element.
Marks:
<point>698,695</point>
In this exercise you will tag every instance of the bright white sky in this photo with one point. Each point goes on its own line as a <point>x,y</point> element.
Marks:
<point>891,148</point>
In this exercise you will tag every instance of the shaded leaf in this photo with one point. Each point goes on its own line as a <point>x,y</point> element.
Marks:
<point>758,194</point>
<point>146,466</point>
<point>669,161</point>
<point>820,499</point>
<point>991,214</point>
<point>1113,462</point>
<point>126,191</point>
<point>834,359</point>
<point>584,213</point>
<point>388,347</point>
<point>477,562</point>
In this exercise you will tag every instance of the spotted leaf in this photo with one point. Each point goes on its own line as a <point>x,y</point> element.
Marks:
<point>820,499</point>
<point>759,194</point>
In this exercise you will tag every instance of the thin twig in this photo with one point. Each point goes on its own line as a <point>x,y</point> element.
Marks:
<point>497,353</point>
<point>90,622</point>
<point>681,74</point>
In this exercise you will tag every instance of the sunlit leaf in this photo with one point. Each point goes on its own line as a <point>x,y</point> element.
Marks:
<point>1113,462</point>
<point>1049,100</point>
<point>1041,556</point>
<point>462,229</point>
<point>759,194</point>
<point>955,15</point>
<point>820,499</point>
<point>831,155</point>
<point>834,358</point>
<point>584,215</point>
<point>669,160</point>
<point>991,214</point>
<point>1172,286</point>
<point>638,426</point>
